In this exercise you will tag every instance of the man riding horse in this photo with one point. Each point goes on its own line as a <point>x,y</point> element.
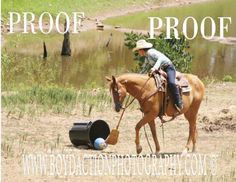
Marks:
<point>142,87</point>
<point>157,60</point>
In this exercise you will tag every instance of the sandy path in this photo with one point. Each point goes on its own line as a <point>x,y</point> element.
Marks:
<point>40,134</point>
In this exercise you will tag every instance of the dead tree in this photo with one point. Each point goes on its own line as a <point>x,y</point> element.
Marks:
<point>66,51</point>
<point>109,40</point>
<point>45,53</point>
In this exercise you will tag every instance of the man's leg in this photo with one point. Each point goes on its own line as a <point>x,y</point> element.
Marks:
<point>170,70</point>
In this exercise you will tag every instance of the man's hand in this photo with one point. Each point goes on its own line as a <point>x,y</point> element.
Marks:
<point>151,72</point>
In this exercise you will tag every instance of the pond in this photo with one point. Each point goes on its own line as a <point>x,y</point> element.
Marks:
<point>92,60</point>
<point>210,58</point>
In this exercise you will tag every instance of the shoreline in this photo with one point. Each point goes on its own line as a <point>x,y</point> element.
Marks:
<point>90,23</point>
<point>148,7</point>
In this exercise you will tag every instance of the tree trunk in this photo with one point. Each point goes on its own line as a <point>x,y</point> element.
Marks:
<point>66,51</point>
<point>45,53</point>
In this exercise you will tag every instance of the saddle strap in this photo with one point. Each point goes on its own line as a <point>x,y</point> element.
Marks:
<point>164,100</point>
<point>148,97</point>
<point>165,121</point>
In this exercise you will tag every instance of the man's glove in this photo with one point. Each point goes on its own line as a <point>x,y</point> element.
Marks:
<point>151,72</point>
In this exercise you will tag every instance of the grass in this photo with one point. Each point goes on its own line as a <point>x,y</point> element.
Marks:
<point>90,7</point>
<point>7,148</point>
<point>139,20</point>
<point>31,99</point>
<point>39,99</point>
<point>227,78</point>
<point>209,80</point>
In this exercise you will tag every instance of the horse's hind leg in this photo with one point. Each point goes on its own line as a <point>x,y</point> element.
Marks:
<point>191,116</point>
<point>154,135</point>
<point>147,118</point>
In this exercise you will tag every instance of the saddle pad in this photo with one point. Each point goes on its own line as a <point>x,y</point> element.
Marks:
<point>182,82</point>
<point>186,89</point>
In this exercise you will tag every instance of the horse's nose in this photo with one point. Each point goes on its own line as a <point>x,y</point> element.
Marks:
<point>117,107</point>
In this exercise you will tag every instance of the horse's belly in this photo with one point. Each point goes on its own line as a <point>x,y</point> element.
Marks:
<point>187,100</point>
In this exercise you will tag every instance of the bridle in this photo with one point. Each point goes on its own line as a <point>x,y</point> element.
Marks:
<point>116,96</point>
<point>127,104</point>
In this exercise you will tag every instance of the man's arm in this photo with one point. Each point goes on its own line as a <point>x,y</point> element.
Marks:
<point>158,62</point>
<point>157,65</point>
<point>144,67</point>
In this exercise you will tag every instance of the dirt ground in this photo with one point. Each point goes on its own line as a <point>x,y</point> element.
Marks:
<point>49,134</point>
<point>216,131</point>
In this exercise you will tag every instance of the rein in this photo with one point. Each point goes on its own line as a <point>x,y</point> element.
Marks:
<point>145,99</point>
<point>127,104</point>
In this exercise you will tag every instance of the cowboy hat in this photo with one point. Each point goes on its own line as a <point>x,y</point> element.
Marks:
<point>142,44</point>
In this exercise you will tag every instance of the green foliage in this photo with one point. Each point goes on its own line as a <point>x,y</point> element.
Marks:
<point>227,78</point>
<point>27,71</point>
<point>175,49</point>
<point>51,98</point>
<point>38,99</point>
<point>90,7</point>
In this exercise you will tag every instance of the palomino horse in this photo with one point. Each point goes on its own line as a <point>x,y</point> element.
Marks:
<point>133,84</point>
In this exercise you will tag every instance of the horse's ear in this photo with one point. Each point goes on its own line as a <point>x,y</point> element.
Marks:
<point>113,79</point>
<point>108,78</point>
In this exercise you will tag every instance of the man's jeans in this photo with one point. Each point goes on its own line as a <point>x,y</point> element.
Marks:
<point>171,73</point>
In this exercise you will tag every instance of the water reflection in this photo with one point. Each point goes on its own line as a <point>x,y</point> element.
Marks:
<point>213,59</point>
<point>91,60</point>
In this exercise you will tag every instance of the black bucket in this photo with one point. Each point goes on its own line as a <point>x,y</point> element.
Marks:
<point>85,133</point>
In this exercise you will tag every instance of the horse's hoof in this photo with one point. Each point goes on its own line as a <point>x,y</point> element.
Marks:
<point>139,149</point>
<point>194,149</point>
<point>184,153</point>
<point>157,152</point>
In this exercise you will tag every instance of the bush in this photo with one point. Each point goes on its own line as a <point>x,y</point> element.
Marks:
<point>227,78</point>
<point>174,49</point>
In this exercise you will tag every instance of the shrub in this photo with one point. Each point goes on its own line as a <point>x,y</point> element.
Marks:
<point>227,78</point>
<point>174,49</point>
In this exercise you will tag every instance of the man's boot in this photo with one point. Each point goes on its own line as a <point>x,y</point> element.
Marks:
<point>179,105</point>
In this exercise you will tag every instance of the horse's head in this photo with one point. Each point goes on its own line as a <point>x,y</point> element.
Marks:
<point>118,92</point>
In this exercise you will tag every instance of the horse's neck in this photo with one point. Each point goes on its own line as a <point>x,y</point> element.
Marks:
<point>133,89</point>
<point>134,85</point>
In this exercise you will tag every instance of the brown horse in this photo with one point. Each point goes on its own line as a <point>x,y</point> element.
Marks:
<point>151,106</point>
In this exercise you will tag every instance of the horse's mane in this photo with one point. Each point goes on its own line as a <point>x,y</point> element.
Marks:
<point>132,77</point>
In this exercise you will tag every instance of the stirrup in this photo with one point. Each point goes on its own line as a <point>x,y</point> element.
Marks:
<point>179,109</point>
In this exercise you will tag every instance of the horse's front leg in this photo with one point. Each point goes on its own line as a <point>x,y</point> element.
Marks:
<point>154,135</point>
<point>147,118</point>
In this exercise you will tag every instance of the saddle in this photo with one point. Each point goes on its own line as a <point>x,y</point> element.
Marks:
<point>181,82</point>
<point>161,84</point>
